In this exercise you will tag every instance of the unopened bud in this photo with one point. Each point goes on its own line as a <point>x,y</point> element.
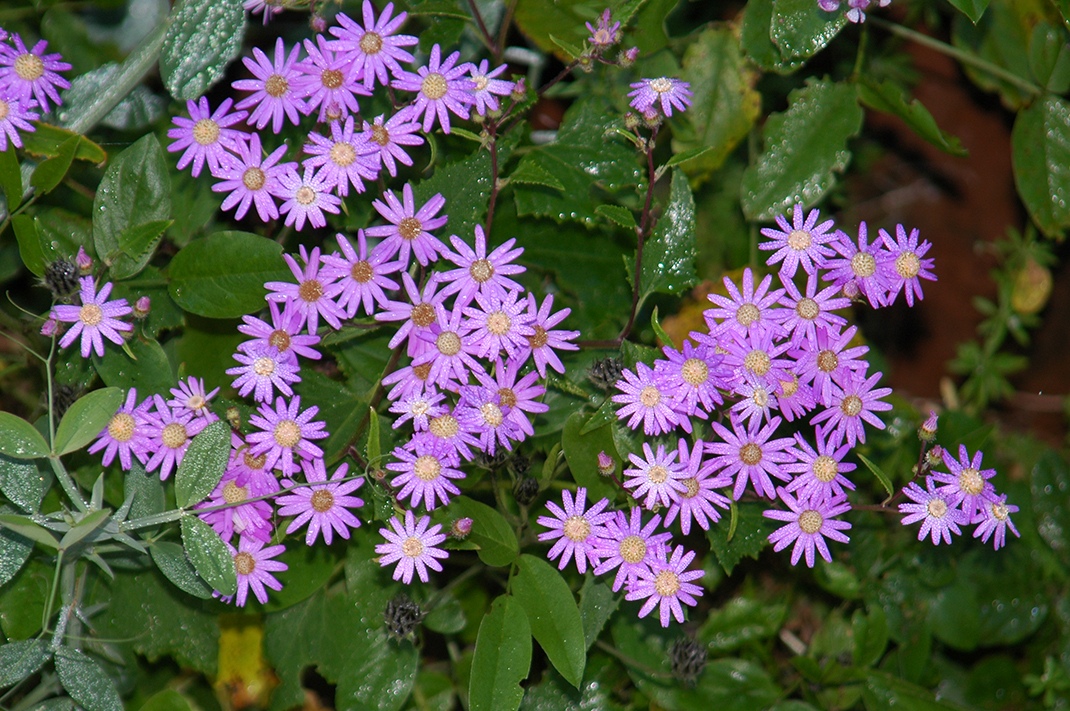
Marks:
<point>627,58</point>
<point>84,262</point>
<point>526,490</point>
<point>234,418</point>
<point>585,62</point>
<point>50,328</point>
<point>317,22</point>
<point>605,464</point>
<point>631,121</point>
<point>477,118</point>
<point>851,290</point>
<point>461,528</point>
<point>520,90</point>
<point>653,119</point>
<point>927,431</point>
<point>142,306</point>
<point>934,456</point>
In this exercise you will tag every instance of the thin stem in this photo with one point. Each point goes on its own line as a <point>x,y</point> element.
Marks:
<point>46,615</point>
<point>962,56</point>
<point>65,481</point>
<point>646,222</point>
<point>492,129</point>
<point>487,39</point>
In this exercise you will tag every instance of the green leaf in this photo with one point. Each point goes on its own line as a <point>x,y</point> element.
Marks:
<point>18,660</point>
<point>26,528</point>
<point>139,241</point>
<point>751,536</point>
<point>884,691</point>
<point>19,439</point>
<point>86,682</point>
<point>85,419</point>
<point>203,464</point>
<point>50,173</point>
<point>620,215</point>
<point>22,483</point>
<point>135,189</point>
<point>757,42</point>
<point>223,275</point>
<point>14,551</point>
<point>598,602</point>
<point>47,140</point>
<point>1040,150</point>
<point>136,110</point>
<point>142,365</point>
<point>879,473</point>
<point>309,570</point>
<point>870,636</point>
<point>1000,37</point>
<point>1050,482</point>
<point>801,29</point>
<point>584,160</point>
<point>660,332</point>
<point>552,614</point>
<point>209,555</point>
<point>742,621</point>
<point>565,19</point>
<point>374,449</point>
<point>86,526</point>
<point>972,9</point>
<point>22,601</point>
<point>581,452</point>
<point>447,617</point>
<point>669,255</point>
<point>490,531</point>
<point>804,148</point>
<point>171,559</point>
<point>1049,57</point>
<point>166,700</point>
<point>502,658</point>
<point>888,97</point>
<point>204,37</point>
<point>725,104</point>
<point>147,492</point>
<point>535,174</point>
<point>29,243</point>
<point>61,232</point>
<point>11,177</point>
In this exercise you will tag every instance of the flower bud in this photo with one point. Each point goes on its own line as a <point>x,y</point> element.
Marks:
<point>688,659</point>
<point>927,431</point>
<point>318,23</point>
<point>526,490</point>
<point>585,62</point>
<point>50,328</point>
<point>142,306</point>
<point>61,278</point>
<point>461,528</point>
<point>606,464</point>
<point>402,615</point>
<point>851,290</point>
<point>234,418</point>
<point>84,262</point>
<point>934,456</point>
<point>631,121</point>
<point>627,58</point>
<point>520,90</point>
<point>653,119</point>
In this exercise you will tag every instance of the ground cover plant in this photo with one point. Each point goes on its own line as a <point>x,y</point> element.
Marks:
<point>478,354</point>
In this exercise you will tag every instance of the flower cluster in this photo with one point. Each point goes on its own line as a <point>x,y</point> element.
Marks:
<point>328,79</point>
<point>29,81</point>
<point>856,9</point>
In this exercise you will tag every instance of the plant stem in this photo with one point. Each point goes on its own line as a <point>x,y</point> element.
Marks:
<point>492,45</point>
<point>646,222</point>
<point>492,129</point>
<point>65,480</point>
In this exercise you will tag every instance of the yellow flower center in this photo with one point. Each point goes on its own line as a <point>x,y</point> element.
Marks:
<point>576,528</point>
<point>361,272</point>
<point>380,135</point>
<point>121,427</point>
<point>481,270</point>
<point>253,178</point>
<point>694,372</point>
<point>660,85</point>
<point>287,434</point>
<point>5,109</point>
<point>807,309</point>
<point>747,314</point>
<point>789,387</point>
<point>342,155</point>
<point>481,83</point>
<point>666,583</point>
<point>937,508</point>
<point>322,500</point>
<point>827,361</point>
<point>427,468</point>
<point>692,488</point>
<point>632,549</point>
<point>657,474</point>
<point>264,366</point>
<point>90,314</point>
<point>310,291</point>
<point>331,78</point>
<point>174,435</point>
<point>371,43</point>
<point>244,564</point>
<point>276,85</point>
<point>649,396</point>
<point>507,396</point>
<point>851,405</point>
<point>206,132</point>
<point>448,343</point>
<point>254,463</point>
<point>234,494</point>
<point>810,521</point>
<point>799,240</point>
<point>971,481</point>
<point>750,453</point>
<point>499,323</point>
<point>305,195</point>
<point>29,67</point>
<point>280,339</point>
<point>539,338</point>
<point>757,362</point>
<point>444,426</point>
<point>492,414</point>
<point>423,315</point>
<point>863,265</point>
<point>412,547</point>
<point>907,265</point>
<point>434,86</point>
<point>410,228</point>
<point>824,469</point>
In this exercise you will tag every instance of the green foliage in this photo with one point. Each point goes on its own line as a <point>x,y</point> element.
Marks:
<point>669,257</point>
<point>85,419</point>
<point>19,439</point>
<point>203,464</point>
<point>502,657</point>
<point>1041,148</point>
<point>204,37</point>
<point>209,555</point>
<point>552,614</point>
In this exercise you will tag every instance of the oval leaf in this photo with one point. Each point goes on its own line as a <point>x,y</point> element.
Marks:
<point>203,464</point>
<point>669,257</point>
<point>22,483</point>
<point>223,274</point>
<point>172,562</point>
<point>14,552</point>
<point>11,177</point>
<point>86,682</point>
<point>1040,149</point>
<point>209,555</point>
<point>19,660</point>
<point>204,37</point>
<point>85,419</point>
<point>800,29</point>
<point>490,531</point>
<point>553,616</point>
<point>502,658</point>
<point>19,439</point>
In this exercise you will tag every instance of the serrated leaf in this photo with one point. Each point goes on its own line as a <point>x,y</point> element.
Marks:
<point>46,140</point>
<point>50,173</point>
<point>618,214</point>
<point>886,96</point>
<point>11,177</point>
<point>171,559</point>
<point>804,149</point>
<point>85,419</point>
<point>86,682</point>
<point>581,452</point>
<point>669,254</point>
<point>749,537</point>
<point>490,531</point>
<point>143,365</point>
<point>209,555</point>
<point>203,464</point>
<point>1040,150</point>
<point>19,660</point>
<point>879,473</point>
<point>135,189</point>
<point>223,275</point>
<point>19,439</point>
<point>800,29</point>
<point>725,104</point>
<point>204,37</point>
<point>552,614</point>
<point>535,174</point>
<point>972,9</point>
<point>22,483</point>
<point>502,658</point>
<point>571,51</point>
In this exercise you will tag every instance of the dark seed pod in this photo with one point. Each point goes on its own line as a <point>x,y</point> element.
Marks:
<point>606,372</point>
<point>62,398</point>
<point>402,616</point>
<point>61,278</point>
<point>688,659</point>
<point>526,490</point>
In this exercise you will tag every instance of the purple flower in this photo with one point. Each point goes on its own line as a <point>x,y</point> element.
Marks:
<point>853,401</point>
<point>251,178</point>
<point>342,159</point>
<point>501,323</point>
<point>262,371</point>
<point>934,509</point>
<point>312,296</point>
<point>517,396</point>
<point>826,359</point>
<point>793,398</point>
<point>412,546</point>
<point>692,377</point>
<point>373,49</point>
<point>426,472</point>
<point>906,266</point>
<point>481,410</point>
<point>699,496</point>
<point>126,433</point>
<point>452,350</point>
<point>282,333</point>
<point>666,93</point>
<point>15,116</point>
<point>486,89</point>
<point>31,72</point>
<point>254,565</point>
<point>809,522</point>
<point>576,529</point>
<point>545,340</point>
<point>410,228</point>
<point>478,272</point>
<point>629,546</point>
<point>273,96</point>
<point>811,312</point>
<point>190,396</point>
<point>820,473</point>
<point>169,435</point>
<point>757,401</point>
<point>754,356</point>
<point>747,310</point>
<point>750,454</point>
<point>284,433</point>
<point>419,406</point>
<point>659,476</point>
<point>448,428</point>
<point>442,89</point>
<point>644,398</point>
<point>995,518</point>
<point>858,265</point>
<point>856,8</point>
<point>606,33</point>
<point>804,242</point>
<point>324,505</point>
<point>239,514</point>
<point>967,485</point>
<point>96,317</point>
<point>418,314</point>
<point>665,584</point>
<point>306,196</point>
<point>269,8</point>
<point>362,278</point>
<point>205,135</point>
<point>385,140</point>
<point>328,82</point>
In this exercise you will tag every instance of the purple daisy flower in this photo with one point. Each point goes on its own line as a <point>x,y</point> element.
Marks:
<point>856,11</point>
<point>479,272</point>
<point>312,296</point>
<point>486,89</point>
<point>629,546</point>
<point>285,432</point>
<point>15,116</point>
<point>362,278</point>
<point>501,323</point>
<point>666,584</point>
<point>342,159</point>
<point>644,397</point>
<point>254,565</point>
<point>283,334</point>
<point>262,371</point>
<point>820,472</point>
<point>30,72</point>
<point>373,48</point>
<point>452,353</point>
<point>966,484</point>
<point>576,529</point>
<point>827,359</point>
<point>418,314</point>
<point>517,396</point>
<point>754,356</point>
<point>126,433</point>
<point>658,476</point>
<point>606,33</point>
<point>854,401</point>
<point>858,265</point>
<point>794,398</point>
<point>749,454</point>
<point>273,97</point>
<point>995,519</point>
<point>169,435</point>
<point>409,380</point>
<point>665,93</point>
<point>328,82</point>
<point>804,315</point>
<point>747,310</point>
<point>757,401</point>
<point>700,494</point>
<point>809,523</point>
<point>410,228</point>
<point>235,513</point>
<point>251,178</point>
<point>324,505</point>
<point>412,546</point>
<point>692,376</point>
<point>442,88</point>
<point>419,407</point>
<point>96,317</point>
<point>205,135</point>
<point>385,140</point>
<point>482,411</point>
<point>935,510</point>
<point>250,469</point>
<point>306,197</point>
<point>542,344</point>
<point>449,428</point>
<point>803,242</point>
<point>906,267</point>
<point>426,472</point>
<point>191,396</point>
